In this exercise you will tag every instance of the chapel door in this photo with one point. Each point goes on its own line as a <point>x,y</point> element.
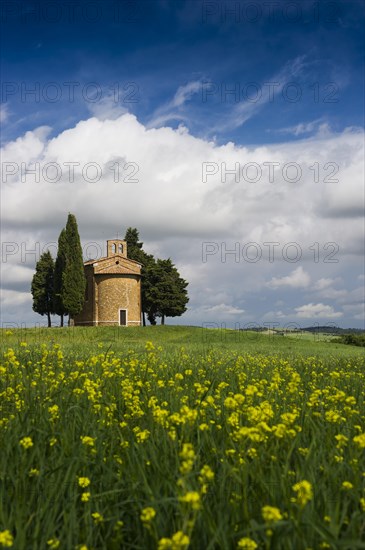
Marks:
<point>123,317</point>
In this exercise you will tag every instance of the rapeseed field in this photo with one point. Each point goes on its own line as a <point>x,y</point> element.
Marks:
<point>140,448</point>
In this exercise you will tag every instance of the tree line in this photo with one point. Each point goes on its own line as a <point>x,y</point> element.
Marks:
<point>58,286</point>
<point>164,292</point>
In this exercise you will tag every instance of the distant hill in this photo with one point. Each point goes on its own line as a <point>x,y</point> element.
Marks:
<point>323,329</point>
<point>333,330</point>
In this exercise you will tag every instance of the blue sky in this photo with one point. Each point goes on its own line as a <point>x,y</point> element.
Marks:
<point>275,80</point>
<point>156,47</point>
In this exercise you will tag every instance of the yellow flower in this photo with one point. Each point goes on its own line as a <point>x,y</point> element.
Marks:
<point>148,514</point>
<point>247,544</point>
<point>230,403</point>
<point>52,441</point>
<point>362,504</point>
<point>142,435</point>
<point>188,455</point>
<point>304,492</point>
<point>6,539</point>
<point>85,497</point>
<point>98,518</point>
<point>179,541</point>
<point>347,485</point>
<point>33,472</point>
<point>333,416</point>
<point>54,412</point>
<point>84,482</point>
<point>203,427</point>
<point>119,524</point>
<point>26,442</point>
<point>206,474</point>
<point>341,440</point>
<point>53,543</point>
<point>360,440</point>
<point>193,498</point>
<point>164,544</point>
<point>280,430</point>
<point>271,514</point>
<point>86,440</point>
<point>149,346</point>
<point>252,452</point>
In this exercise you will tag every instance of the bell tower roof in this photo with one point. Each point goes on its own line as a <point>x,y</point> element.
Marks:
<point>116,247</point>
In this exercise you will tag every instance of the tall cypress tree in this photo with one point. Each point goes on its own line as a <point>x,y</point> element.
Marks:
<point>73,277</point>
<point>134,247</point>
<point>42,286</point>
<point>60,265</point>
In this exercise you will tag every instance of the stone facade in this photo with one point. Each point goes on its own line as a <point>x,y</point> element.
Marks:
<point>113,289</point>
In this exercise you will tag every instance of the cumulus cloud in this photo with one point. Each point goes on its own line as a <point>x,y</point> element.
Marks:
<point>317,311</point>
<point>224,309</point>
<point>177,189</point>
<point>14,299</point>
<point>15,277</point>
<point>323,283</point>
<point>296,279</point>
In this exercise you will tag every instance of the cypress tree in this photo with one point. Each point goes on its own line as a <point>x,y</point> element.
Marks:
<point>60,265</point>
<point>149,281</point>
<point>42,286</point>
<point>134,247</point>
<point>73,277</point>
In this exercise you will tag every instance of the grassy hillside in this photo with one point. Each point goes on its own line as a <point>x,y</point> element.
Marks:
<point>81,340</point>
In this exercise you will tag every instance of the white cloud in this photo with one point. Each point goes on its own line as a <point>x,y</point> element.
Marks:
<point>14,299</point>
<point>332,294</point>
<point>245,110</point>
<point>317,311</point>
<point>13,276</point>
<point>323,283</point>
<point>4,113</point>
<point>272,316</point>
<point>297,279</point>
<point>176,211</point>
<point>223,309</point>
<point>302,128</point>
<point>107,107</point>
<point>172,109</point>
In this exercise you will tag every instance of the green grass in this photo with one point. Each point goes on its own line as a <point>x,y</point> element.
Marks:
<point>162,405</point>
<point>81,340</point>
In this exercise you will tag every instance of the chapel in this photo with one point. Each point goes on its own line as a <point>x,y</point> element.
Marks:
<point>113,289</point>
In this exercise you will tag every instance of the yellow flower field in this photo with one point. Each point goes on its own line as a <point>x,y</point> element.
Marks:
<point>145,449</point>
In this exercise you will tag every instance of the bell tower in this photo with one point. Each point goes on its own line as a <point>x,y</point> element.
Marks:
<point>117,246</point>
